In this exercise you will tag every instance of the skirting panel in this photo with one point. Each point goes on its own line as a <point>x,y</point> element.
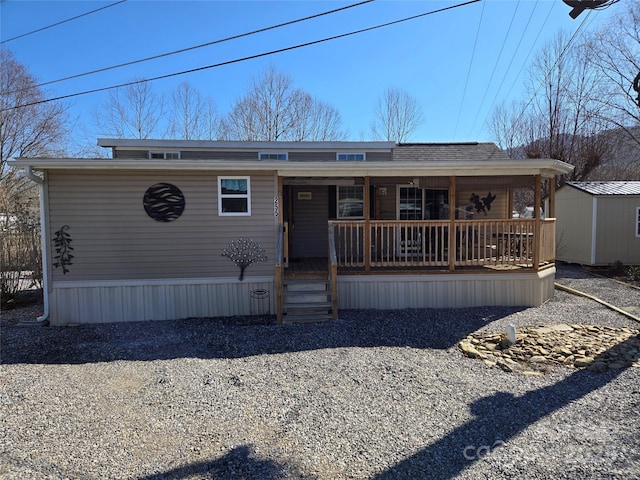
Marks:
<point>390,292</point>
<point>141,300</point>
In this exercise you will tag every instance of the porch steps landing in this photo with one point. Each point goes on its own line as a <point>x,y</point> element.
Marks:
<point>306,300</point>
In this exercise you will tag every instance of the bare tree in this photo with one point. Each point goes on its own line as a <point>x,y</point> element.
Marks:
<point>192,116</point>
<point>273,109</point>
<point>27,128</point>
<point>614,53</point>
<point>562,120</point>
<point>133,111</point>
<point>396,116</point>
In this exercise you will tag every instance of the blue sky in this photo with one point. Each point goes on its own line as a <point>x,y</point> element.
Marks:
<point>459,64</point>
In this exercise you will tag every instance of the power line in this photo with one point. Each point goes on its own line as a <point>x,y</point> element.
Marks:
<point>550,71</point>
<point>495,67</point>
<point>250,57</point>
<point>63,21</point>
<point>214,42</point>
<point>504,77</point>
<point>466,82</point>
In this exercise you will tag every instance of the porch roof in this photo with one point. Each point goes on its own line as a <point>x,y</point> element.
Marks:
<point>396,168</point>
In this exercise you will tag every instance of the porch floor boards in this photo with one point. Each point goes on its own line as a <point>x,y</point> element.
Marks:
<point>317,267</point>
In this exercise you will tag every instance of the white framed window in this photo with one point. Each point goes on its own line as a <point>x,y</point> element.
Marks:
<point>637,221</point>
<point>343,157</point>
<point>164,155</point>
<point>273,156</point>
<point>350,201</point>
<point>234,196</point>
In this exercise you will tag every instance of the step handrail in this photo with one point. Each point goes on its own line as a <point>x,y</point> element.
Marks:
<point>333,271</point>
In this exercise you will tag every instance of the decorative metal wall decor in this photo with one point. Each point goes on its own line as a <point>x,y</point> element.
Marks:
<point>164,202</point>
<point>62,242</point>
<point>244,252</point>
<point>482,205</point>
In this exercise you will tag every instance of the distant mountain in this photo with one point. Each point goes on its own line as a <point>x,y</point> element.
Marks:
<point>621,157</point>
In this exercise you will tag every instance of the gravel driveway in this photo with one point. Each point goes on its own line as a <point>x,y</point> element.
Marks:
<point>381,395</point>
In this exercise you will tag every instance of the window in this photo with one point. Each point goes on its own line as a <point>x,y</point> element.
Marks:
<point>637,221</point>
<point>351,156</point>
<point>273,156</point>
<point>165,155</point>
<point>234,196</point>
<point>350,201</point>
<point>410,203</point>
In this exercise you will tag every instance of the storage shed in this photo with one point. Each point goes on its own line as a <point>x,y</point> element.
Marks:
<point>598,223</point>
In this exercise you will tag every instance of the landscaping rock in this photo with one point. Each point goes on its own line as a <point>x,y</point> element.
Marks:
<point>540,348</point>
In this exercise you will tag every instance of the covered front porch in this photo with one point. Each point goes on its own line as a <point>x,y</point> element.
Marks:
<point>431,240</point>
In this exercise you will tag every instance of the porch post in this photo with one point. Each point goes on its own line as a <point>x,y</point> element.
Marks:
<point>537,202</point>
<point>452,223</point>
<point>552,197</point>
<point>367,225</point>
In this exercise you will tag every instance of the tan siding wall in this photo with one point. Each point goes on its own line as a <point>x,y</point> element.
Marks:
<point>388,204</point>
<point>573,225</point>
<point>114,238</point>
<point>209,155</point>
<point>615,232</point>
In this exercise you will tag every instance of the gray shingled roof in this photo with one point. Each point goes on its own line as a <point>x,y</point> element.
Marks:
<point>608,188</point>
<point>450,152</point>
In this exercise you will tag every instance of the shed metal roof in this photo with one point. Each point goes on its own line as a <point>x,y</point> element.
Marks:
<point>608,188</point>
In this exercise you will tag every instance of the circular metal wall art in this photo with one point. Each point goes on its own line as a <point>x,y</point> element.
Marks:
<point>163,202</point>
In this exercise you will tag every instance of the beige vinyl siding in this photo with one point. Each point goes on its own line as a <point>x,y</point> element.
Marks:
<point>615,230</point>
<point>387,204</point>
<point>218,155</point>
<point>113,237</point>
<point>574,220</point>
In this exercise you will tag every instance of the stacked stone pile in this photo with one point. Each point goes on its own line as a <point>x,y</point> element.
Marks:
<point>541,349</point>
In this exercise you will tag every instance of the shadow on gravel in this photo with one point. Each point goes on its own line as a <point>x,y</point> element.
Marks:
<point>225,338</point>
<point>241,462</point>
<point>499,418</point>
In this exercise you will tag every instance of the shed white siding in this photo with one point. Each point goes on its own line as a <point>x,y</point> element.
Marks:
<point>574,226</point>
<point>616,238</point>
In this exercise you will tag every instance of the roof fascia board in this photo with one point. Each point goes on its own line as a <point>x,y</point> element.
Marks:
<point>331,169</point>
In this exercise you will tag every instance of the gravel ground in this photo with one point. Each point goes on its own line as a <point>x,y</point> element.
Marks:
<point>380,395</point>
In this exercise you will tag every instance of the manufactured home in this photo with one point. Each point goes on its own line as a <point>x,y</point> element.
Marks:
<point>598,223</point>
<point>147,234</point>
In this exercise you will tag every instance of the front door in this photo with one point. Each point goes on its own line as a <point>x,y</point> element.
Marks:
<point>308,221</point>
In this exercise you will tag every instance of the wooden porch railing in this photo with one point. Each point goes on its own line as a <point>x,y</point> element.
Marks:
<point>408,244</point>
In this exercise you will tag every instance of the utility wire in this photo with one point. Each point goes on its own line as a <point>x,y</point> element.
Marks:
<point>530,51</point>
<point>466,82</point>
<point>250,57</point>
<point>564,50</point>
<point>516,51</point>
<point>214,42</point>
<point>63,21</point>
<point>495,67</point>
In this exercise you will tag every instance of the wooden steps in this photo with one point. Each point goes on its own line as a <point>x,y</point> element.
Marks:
<point>306,300</point>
